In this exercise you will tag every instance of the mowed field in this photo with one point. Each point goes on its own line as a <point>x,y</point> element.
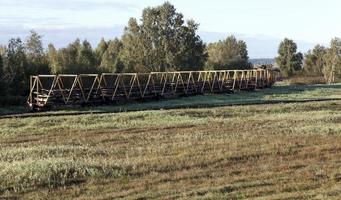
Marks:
<point>270,151</point>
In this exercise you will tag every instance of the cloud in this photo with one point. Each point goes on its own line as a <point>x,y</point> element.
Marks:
<point>10,21</point>
<point>70,4</point>
<point>56,14</point>
<point>60,37</point>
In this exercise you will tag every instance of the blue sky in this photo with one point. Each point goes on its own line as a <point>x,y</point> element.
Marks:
<point>261,23</point>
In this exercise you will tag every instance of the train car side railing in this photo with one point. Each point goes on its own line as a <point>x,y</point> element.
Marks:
<point>69,89</point>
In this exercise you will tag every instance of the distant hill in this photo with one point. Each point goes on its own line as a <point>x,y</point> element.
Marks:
<point>262,61</point>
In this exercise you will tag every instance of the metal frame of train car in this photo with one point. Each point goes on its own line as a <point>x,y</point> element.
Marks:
<point>68,89</point>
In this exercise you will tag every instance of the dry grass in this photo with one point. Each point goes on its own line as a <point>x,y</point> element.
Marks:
<point>307,80</point>
<point>286,151</point>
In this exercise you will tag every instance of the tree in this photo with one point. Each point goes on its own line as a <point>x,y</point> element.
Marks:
<point>76,58</point>
<point>228,54</point>
<point>192,52</point>
<point>53,60</point>
<point>1,75</point>
<point>288,60</point>
<point>332,61</point>
<point>100,50</point>
<point>314,61</point>
<point>110,61</point>
<point>133,54</point>
<point>86,59</point>
<point>2,66</point>
<point>68,57</point>
<point>34,46</point>
<point>36,59</point>
<point>15,67</point>
<point>162,42</point>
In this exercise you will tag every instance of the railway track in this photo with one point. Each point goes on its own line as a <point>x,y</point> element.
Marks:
<point>60,90</point>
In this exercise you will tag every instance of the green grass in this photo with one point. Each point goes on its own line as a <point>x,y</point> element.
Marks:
<point>92,122</point>
<point>280,151</point>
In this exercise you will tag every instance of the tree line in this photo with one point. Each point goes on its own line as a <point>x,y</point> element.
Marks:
<point>319,61</point>
<point>161,41</point>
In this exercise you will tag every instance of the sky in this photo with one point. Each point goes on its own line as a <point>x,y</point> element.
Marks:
<point>261,23</point>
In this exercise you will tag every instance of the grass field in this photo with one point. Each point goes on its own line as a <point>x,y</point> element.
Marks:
<point>277,151</point>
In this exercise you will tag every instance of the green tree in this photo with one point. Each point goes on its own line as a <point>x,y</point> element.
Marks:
<point>15,67</point>
<point>228,54</point>
<point>110,61</point>
<point>132,53</point>
<point>34,46</point>
<point>288,60</point>
<point>191,54</point>
<point>332,61</point>
<point>68,57</point>
<point>100,50</point>
<point>314,61</point>
<point>2,65</point>
<point>86,59</point>
<point>53,60</point>
<point>162,42</point>
<point>76,58</point>
<point>2,83</point>
<point>36,58</point>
